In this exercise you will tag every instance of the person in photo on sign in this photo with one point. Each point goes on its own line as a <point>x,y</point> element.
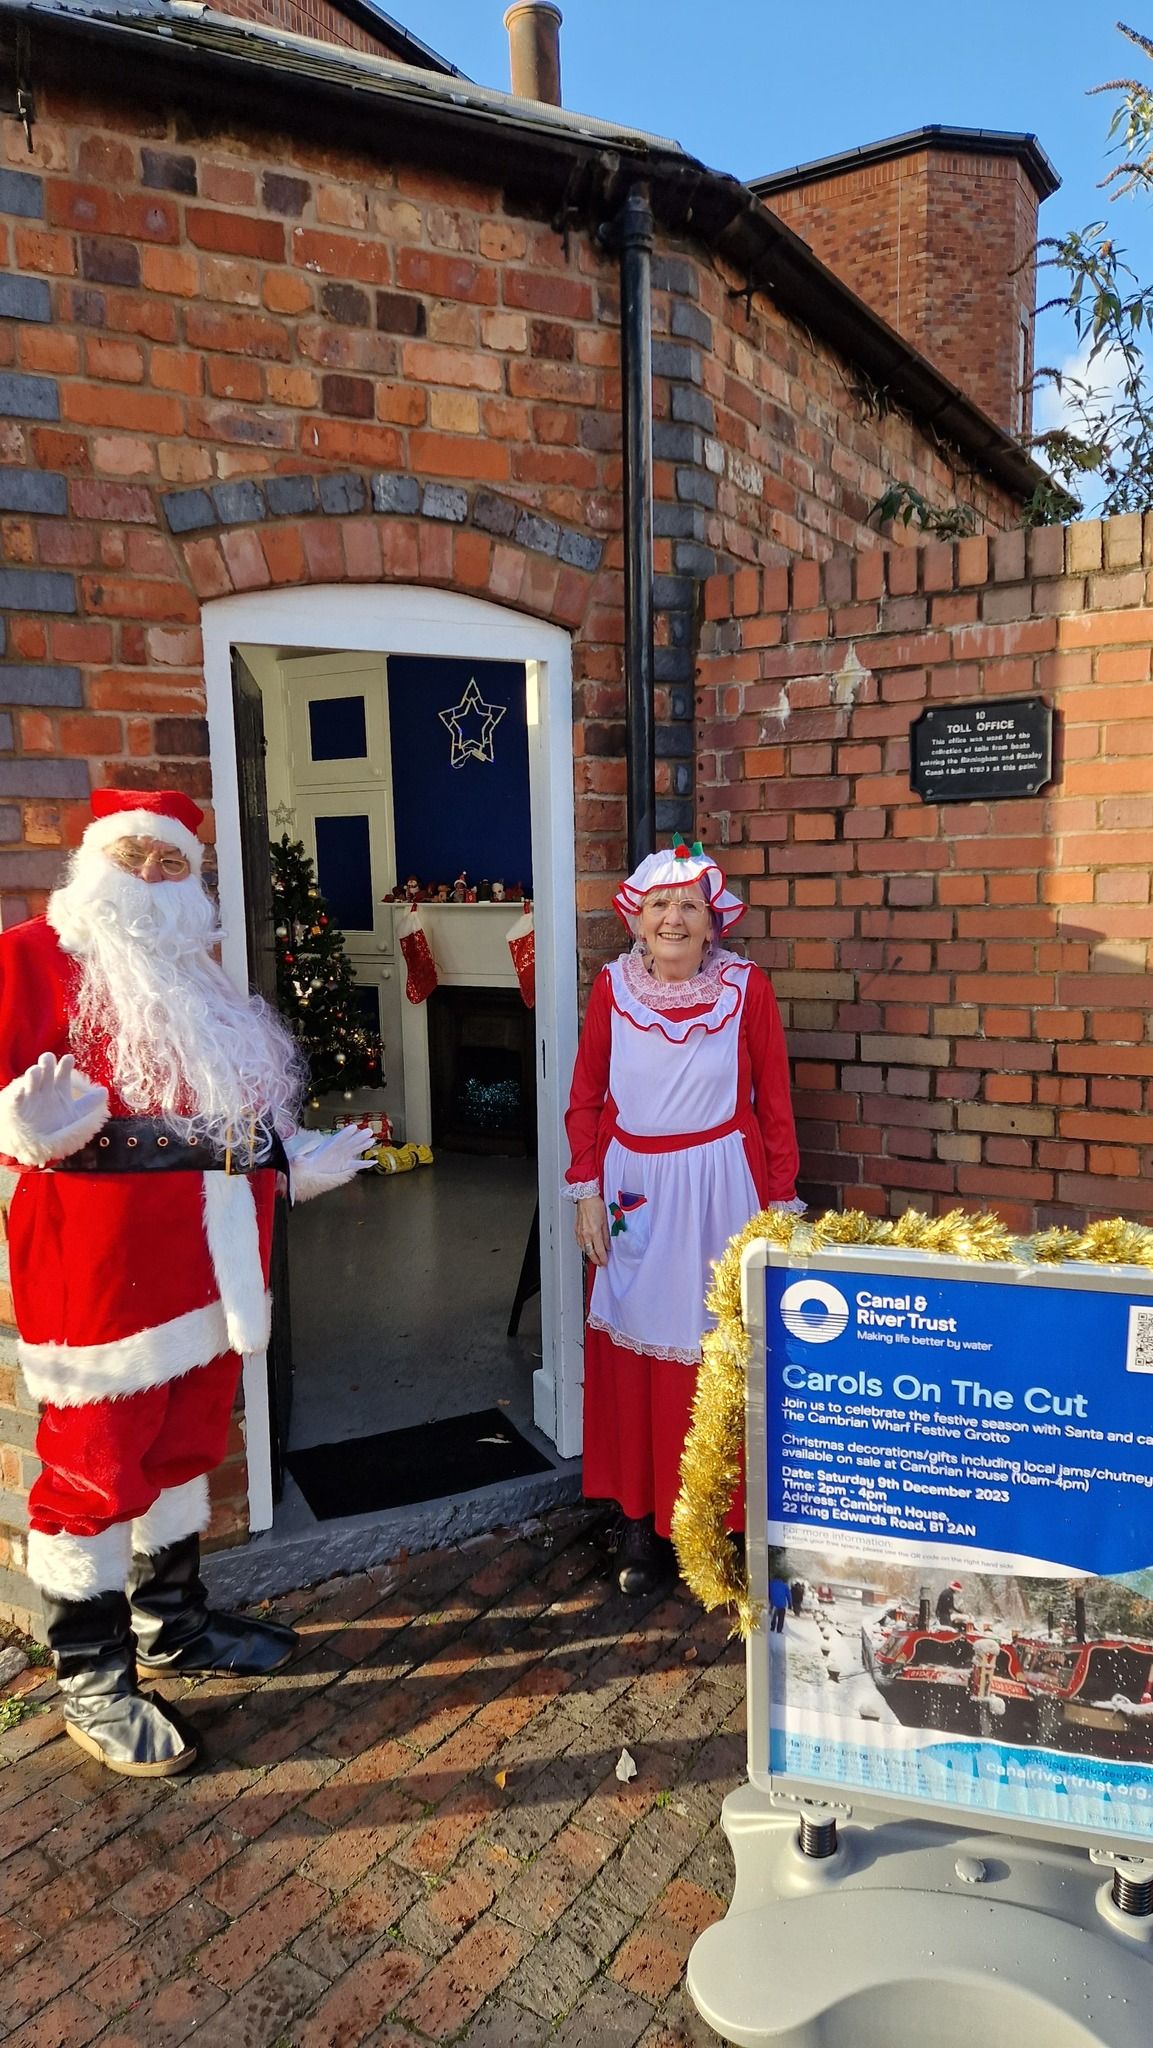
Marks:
<point>680,1128</point>
<point>149,1106</point>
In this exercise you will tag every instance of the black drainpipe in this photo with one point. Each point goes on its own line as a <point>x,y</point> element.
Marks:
<point>634,237</point>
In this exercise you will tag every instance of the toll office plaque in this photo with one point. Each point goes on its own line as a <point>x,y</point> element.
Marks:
<point>954,1467</point>
<point>962,752</point>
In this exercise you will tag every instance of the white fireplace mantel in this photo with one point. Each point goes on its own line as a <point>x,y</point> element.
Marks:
<point>469,943</point>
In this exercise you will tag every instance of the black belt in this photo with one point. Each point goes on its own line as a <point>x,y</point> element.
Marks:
<point>145,1144</point>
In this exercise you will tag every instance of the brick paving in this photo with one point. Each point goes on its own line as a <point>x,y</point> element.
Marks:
<point>415,1833</point>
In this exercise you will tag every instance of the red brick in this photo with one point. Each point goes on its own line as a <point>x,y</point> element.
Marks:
<point>234,234</point>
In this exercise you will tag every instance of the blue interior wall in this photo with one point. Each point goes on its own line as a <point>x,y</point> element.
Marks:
<point>474,817</point>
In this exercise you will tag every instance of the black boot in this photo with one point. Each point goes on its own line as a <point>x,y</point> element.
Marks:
<point>644,1559</point>
<point>134,1733</point>
<point>176,1630</point>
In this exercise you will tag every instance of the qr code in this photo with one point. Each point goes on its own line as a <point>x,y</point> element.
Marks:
<point>1139,1356</point>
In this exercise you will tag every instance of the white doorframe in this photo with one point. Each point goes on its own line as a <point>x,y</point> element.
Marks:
<point>406,619</point>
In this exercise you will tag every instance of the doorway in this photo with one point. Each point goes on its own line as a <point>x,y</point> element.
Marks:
<point>415,1329</point>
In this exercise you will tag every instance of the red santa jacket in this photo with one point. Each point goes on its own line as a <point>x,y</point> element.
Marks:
<point>120,1281</point>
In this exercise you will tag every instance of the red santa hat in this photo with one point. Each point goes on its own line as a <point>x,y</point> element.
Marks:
<point>163,814</point>
<point>678,867</point>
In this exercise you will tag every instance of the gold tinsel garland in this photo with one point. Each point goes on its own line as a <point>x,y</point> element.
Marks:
<point>710,1563</point>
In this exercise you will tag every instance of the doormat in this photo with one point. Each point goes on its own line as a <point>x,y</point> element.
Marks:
<point>399,1466</point>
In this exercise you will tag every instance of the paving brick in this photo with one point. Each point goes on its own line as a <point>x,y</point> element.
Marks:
<point>380,1901</point>
<point>457,1986</point>
<point>351,2010</point>
<point>265,2010</point>
<point>608,2015</point>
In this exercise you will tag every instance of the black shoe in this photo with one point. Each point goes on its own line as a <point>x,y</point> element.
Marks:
<point>133,1733</point>
<point>644,1559</point>
<point>176,1630</point>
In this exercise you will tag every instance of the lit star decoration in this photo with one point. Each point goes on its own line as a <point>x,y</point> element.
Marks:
<point>471,706</point>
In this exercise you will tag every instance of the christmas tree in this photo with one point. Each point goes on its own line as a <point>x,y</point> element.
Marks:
<point>315,989</point>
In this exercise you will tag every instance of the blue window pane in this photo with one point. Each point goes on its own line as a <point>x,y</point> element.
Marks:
<point>336,729</point>
<point>344,871</point>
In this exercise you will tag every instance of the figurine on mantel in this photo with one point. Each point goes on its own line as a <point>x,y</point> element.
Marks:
<point>460,888</point>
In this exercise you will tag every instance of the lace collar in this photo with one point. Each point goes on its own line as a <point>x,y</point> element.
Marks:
<point>643,986</point>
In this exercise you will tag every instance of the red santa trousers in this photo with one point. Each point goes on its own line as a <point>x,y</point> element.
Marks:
<point>108,1462</point>
<point>637,1414</point>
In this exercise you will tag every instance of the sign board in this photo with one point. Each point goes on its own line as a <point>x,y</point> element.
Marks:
<point>1001,748</point>
<point>951,1537</point>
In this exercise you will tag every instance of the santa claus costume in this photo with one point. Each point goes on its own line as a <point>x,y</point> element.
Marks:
<point>149,1106</point>
<point>680,1120</point>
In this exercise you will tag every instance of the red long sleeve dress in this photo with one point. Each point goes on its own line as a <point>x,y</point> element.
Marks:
<point>680,1117</point>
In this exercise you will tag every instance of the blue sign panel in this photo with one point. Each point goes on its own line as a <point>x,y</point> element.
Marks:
<point>958,1499</point>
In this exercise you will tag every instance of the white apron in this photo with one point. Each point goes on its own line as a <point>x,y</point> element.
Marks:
<point>672,1210</point>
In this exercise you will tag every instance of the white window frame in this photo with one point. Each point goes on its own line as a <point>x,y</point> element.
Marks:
<point>406,619</point>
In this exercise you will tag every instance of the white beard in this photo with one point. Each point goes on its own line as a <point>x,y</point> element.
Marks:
<point>181,1041</point>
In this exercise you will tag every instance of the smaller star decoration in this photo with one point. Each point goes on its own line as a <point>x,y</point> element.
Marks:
<point>471,725</point>
<point>284,815</point>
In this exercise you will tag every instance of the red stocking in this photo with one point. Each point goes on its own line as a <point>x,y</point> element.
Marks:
<point>418,960</point>
<point>522,945</point>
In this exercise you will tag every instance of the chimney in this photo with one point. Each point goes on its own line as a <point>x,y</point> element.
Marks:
<point>936,231</point>
<point>534,50</point>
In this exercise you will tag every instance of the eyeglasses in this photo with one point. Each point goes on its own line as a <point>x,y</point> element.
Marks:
<point>134,855</point>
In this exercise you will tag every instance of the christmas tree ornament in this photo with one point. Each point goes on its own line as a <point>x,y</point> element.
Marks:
<point>419,963</point>
<point>521,940</point>
<point>315,986</point>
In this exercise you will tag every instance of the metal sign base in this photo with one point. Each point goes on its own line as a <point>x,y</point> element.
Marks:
<point>916,1934</point>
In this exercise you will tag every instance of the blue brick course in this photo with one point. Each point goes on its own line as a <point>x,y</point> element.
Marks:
<point>40,683</point>
<point>238,504</point>
<point>32,490</point>
<point>23,194</point>
<point>289,495</point>
<point>445,501</point>
<point>28,398</point>
<point>187,510</point>
<point>394,492</point>
<point>25,298</point>
<point>43,778</point>
<point>37,590</point>
<point>339,494</point>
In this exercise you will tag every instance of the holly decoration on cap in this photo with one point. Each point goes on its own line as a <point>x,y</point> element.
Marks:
<point>682,852</point>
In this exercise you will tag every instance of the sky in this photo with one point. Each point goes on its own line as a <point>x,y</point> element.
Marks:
<point>752,86</point>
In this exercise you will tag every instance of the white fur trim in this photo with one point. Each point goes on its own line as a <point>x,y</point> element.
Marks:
<point>70,1375</point>
<point>177,1512</point>
<point>79,1567</point>
<point>234,1247</point>
<point>145,825</point>
<point>29,1147</point>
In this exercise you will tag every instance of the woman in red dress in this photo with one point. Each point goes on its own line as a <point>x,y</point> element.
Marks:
<point>680,1128</point>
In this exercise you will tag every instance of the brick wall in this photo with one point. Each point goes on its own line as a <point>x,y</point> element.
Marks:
<point>940,243</point>
<point>966,985</point>
<point>317,18</point>
<point>231,360</point>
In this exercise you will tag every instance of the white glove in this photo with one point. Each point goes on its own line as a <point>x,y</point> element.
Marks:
<point>50,1112</point>
<point>319,1162</point>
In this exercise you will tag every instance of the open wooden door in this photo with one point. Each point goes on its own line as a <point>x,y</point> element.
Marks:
<point>248,715</point>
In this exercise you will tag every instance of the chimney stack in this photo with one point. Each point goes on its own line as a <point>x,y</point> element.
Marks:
<point>936,231</point>
<point>534,50</point>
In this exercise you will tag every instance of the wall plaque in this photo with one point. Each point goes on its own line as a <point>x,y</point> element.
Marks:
<point>1000,748</point>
